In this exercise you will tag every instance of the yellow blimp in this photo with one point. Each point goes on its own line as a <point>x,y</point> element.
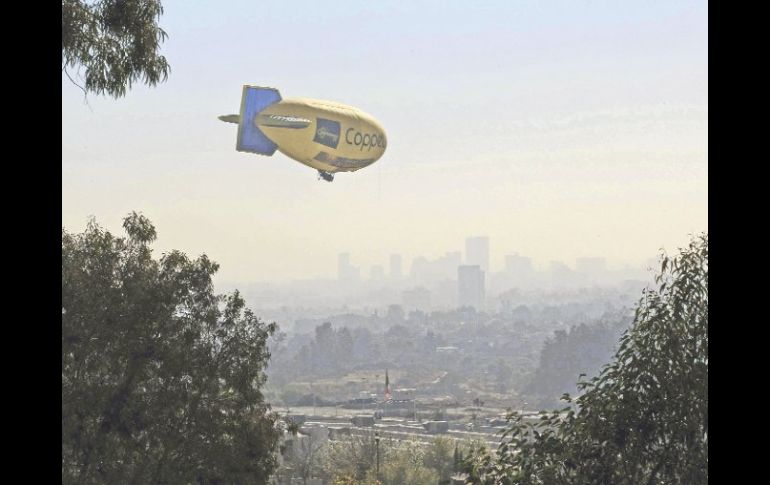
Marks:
<point>329,137</point>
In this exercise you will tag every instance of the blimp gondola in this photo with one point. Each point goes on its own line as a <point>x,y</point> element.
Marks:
<point>327,136</point>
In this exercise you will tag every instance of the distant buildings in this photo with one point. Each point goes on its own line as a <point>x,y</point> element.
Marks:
<point>449,281</point>
<point>477,252</point>
<point>395,313</point>
<point>562,276</point>
<point>419,270</point>
<point>518,272</point>
<point>470,286</point>
<point>435,427</point>
<point>416,299</point>
<point>425,272</point>
<point>395,266</point>
<point>518,265</point>
<point>447,265</point>
<point>443,294</point>
<point>343,263</point>
<point>377,273</point>
<point>345,272</point>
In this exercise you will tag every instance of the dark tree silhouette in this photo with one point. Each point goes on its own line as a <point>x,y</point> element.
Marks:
<point>161,378</point>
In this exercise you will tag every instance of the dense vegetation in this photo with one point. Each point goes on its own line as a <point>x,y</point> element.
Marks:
<point>503,359</point>
<point>161,377</point>
<point>116,42</point>
<point>582,349</point>
<point>353,461</point>
<point>644,419</point>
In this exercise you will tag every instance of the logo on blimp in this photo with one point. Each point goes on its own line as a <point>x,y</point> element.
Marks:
<point>327,132</point>
<point>362,140</point>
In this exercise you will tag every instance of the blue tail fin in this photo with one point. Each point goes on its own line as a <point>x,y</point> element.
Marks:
<point>250,139</point>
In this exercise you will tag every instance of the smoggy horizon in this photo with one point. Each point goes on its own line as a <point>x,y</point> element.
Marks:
<point>559,131</point>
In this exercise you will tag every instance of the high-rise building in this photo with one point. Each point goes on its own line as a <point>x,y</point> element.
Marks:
<point>447,265</point>
<point>470,286</point>
<point>346,272</point>
<point>419,270</point>
<point>395,266</point>
<point>518,265</point>
<point>442,268</point>
<point>477,252</point>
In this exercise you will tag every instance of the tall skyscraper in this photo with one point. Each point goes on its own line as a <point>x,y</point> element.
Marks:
<point>470,286</point>
<point>395,266</point>
<point>477,252</point>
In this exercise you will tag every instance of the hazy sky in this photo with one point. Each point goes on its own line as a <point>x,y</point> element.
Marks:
<point>559,129</point>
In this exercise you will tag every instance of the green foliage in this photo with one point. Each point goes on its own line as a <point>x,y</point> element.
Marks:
<point>161,377</point>
<point>440,456</point>
<point>307,455</point>
<point>644,418</point>
<point>117,42</point>
<point>403,464</point>
<point>353,458</point>
<point>583,349</point>
<point>351,480</point>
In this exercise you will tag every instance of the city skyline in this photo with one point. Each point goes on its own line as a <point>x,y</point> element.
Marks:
<point>510,262</point>
<point>445,283</point>
<point>559,130</point>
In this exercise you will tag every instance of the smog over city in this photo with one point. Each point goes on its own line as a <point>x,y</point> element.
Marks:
<point>349,243</point>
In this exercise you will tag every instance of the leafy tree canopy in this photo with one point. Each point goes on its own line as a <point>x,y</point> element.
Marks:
<point>644,418</point>
<point>161,378</point>
<point>582,349</point>
<point>116,42</point>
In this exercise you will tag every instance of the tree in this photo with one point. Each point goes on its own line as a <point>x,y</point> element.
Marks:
<point>117,42</point>
<point>644,418</point>
<point>161,378</point>
<point>403,464</point>
<point>306,454</point>
<point>351,480</point>
<point>583,349</point>
<point>440,456</point>
<point>354,458</point>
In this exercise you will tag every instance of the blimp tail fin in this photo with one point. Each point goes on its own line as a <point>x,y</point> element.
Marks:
<point>250,138</point>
